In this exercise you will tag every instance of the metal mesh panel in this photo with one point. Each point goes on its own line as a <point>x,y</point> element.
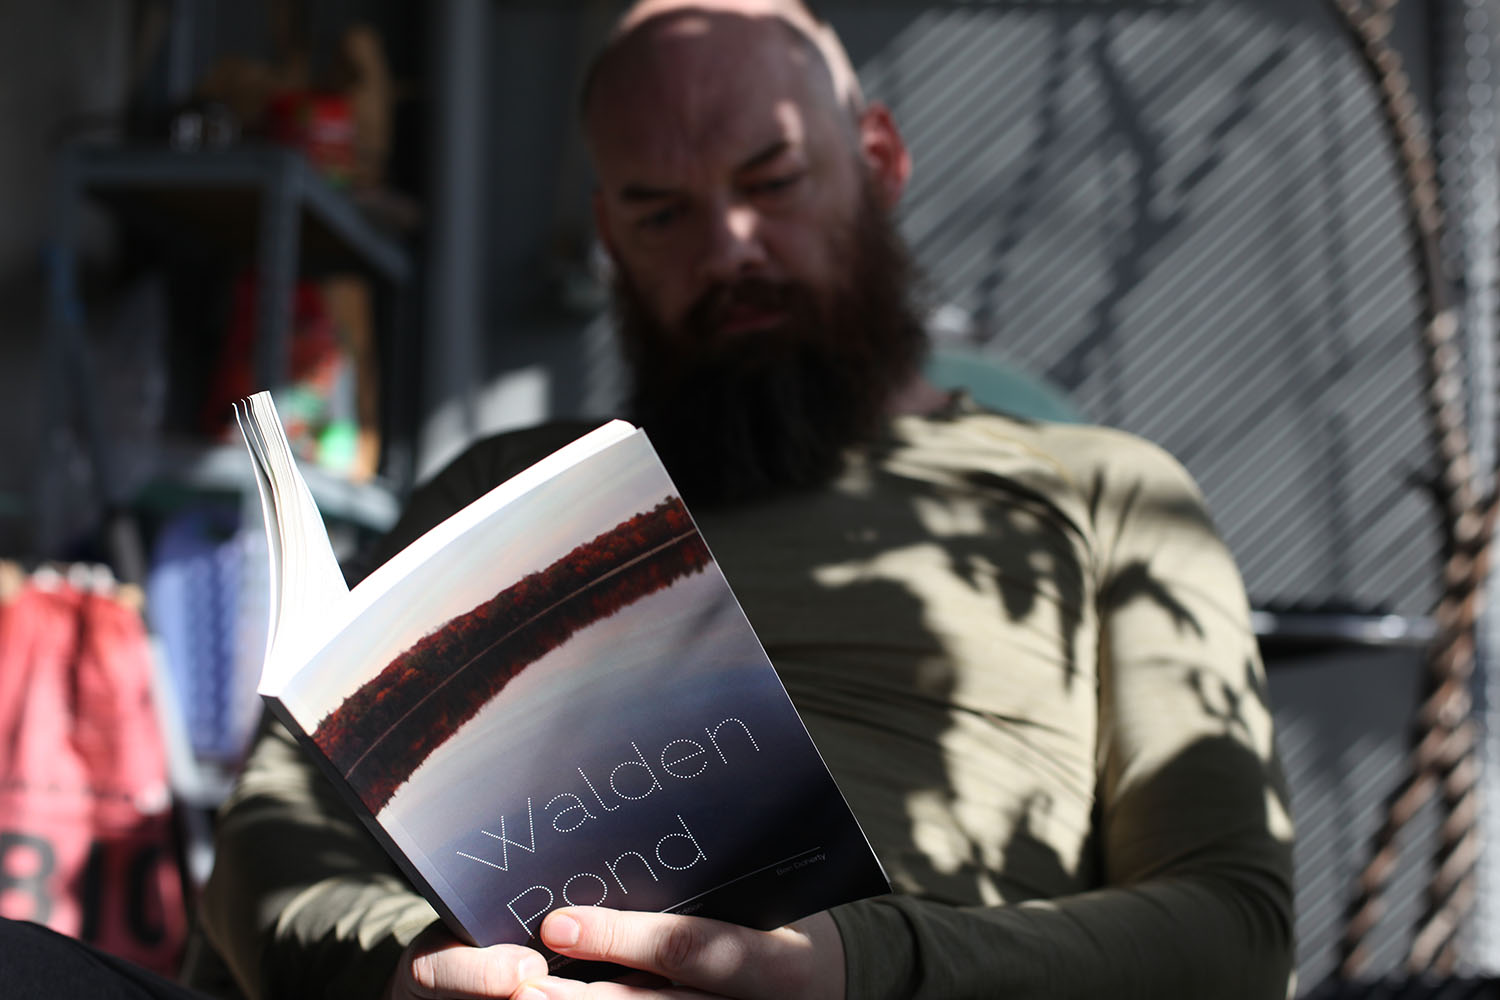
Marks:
<point>1187,216</point>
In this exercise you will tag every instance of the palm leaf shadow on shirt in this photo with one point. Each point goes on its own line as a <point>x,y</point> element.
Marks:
<point>1027,527</point>
<point>1030,541</point>
<point>1135,582</point>
<point>1213,774</point>
<point>1225,702</point>
<point>1028,524</point>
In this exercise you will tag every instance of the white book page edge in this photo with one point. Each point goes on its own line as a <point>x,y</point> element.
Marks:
<point>270,522</point>
<point>307,584</point>
<point>379,582</point>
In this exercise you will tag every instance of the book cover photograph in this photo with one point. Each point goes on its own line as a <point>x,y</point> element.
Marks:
<point>563,704</point>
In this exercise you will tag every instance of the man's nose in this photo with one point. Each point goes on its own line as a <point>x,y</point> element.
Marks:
<point>733,245</point>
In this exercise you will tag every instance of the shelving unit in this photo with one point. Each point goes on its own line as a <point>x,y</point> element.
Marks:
<point>265,205</point>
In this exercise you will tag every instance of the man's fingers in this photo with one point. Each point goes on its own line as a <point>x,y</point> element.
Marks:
<point>553,988</point>
<point>435,965</point>
<point>705,954</point>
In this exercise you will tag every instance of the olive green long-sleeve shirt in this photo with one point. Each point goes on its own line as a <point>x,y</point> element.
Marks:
<point>1026,658</point>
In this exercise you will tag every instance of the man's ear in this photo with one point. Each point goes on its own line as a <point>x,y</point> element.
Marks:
<point>885,153</point>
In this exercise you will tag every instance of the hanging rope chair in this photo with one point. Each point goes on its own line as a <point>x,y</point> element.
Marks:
<point>1444,761</point>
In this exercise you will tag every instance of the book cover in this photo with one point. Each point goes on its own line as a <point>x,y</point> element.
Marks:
<point>558,701</point>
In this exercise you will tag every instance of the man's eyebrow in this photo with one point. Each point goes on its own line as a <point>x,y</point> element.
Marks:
<point>642,192</point>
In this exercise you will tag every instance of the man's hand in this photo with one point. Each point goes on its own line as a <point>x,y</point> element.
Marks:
<point>438,965</point>
<point>802,961</point>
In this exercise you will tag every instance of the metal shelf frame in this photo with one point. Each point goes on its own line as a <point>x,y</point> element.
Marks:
<point>295,220</point>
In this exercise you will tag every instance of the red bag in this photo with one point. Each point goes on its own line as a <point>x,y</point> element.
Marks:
<point>86,837</point>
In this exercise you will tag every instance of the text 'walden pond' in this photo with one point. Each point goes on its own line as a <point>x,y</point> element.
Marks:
<point>630,780</point>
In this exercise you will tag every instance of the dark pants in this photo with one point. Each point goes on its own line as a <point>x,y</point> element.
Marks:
<point>40,964</point>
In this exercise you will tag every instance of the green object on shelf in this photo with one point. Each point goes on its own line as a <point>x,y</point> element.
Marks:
<point>338,446</point>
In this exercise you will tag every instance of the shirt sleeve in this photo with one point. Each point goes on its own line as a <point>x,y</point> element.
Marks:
<point>1192,826</point>
<point>302,901</point>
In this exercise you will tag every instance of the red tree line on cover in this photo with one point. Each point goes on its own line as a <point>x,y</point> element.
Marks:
<point>380,734</point>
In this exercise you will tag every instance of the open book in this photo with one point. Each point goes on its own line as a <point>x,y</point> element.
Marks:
<point>553,698</point>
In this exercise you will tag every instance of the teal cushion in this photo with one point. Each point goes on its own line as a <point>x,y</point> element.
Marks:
<point>999,386</point>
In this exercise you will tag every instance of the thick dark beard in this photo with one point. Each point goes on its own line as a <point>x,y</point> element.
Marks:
<point>776,410</point>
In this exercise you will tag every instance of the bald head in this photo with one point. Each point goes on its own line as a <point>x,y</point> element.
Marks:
<point>646,19</point>
<point>691,74</point>
<point>795,13</point>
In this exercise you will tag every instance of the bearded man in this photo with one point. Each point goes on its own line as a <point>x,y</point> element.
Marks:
<point>1021,649</point>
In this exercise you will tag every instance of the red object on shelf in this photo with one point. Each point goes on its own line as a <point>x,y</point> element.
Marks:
<point>317,361</point>
<point>320,124</point>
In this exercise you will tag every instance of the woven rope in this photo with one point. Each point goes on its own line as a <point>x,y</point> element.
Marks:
<point>1444,762</point>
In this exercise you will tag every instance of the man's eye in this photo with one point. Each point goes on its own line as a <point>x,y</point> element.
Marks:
<point>775,185</point>
<point>659,219</point>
